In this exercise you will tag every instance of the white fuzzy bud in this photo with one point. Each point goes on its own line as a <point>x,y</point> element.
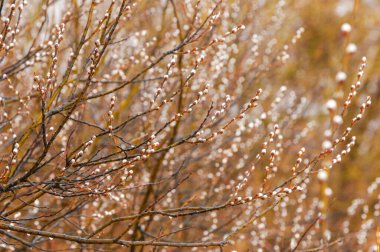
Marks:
<point>322,175</point>
<point>346,28</point>
<point>340,77</point>
<point>331,104</point>
<point>351,48</point>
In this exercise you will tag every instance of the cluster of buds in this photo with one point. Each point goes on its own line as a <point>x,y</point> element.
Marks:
<point>298,35</point>
<point>6,20</point>
<point>252,104</point>
<point>82,152</point>
<point>213,18</point>
<point>357,118</point>
<point>268,168</point>
<point>127,174</point>
<point>164,102</point>
<point>14,153</point>
<point>5,117</point>
<point>272,135</point>
<point>280,192</point>
<point>284,55</point>
<point>285,191</point>
<point>94,58</point>
<point>89,143</point>
<point>166,77</point>
<point>236,29</point>
<point>38,85</point>
<point>150,148</point>
<point>13,160</point>
<point>54,46</point>
<point>223,38</point>
<point>13,32</point>
<point>355,87</point>
<point>364,105</point>
<point>373,186</point>
<point>329,146</point>
<point>271,167</point>
<point>110,114</point>
<point>198,99</point>
<point>299,160</point>
<point>198,61</point>
<point>241,200</point>
<point>178,116</point>
<point>8,119</point>
<point>276,102</point>
<point>338,158</point>
<point>106,17</point>
<point>215,41</point>
<point>273,154</point>
<point>243,181</point>
<point>23,100</point>
<point>4,173</point>
<point>222,109</point>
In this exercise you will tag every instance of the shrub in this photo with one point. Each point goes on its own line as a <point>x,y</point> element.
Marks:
<point>175,125</point>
